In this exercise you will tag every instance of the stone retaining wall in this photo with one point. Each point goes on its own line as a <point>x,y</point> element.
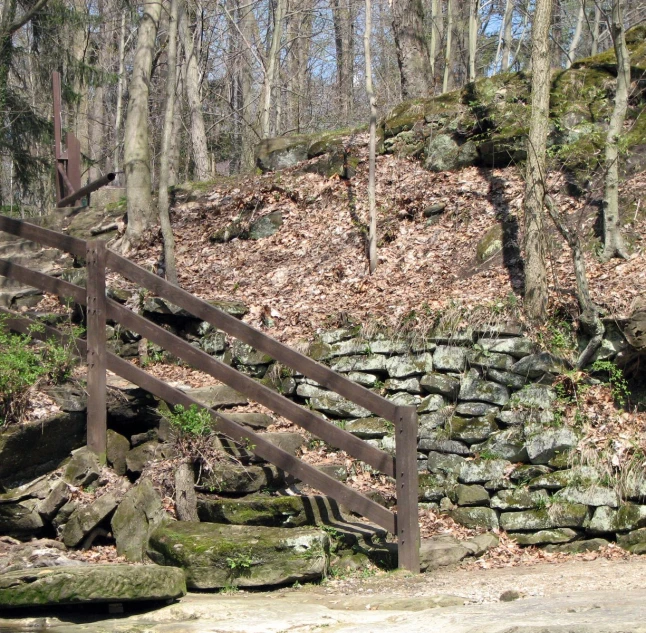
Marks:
<point>493,450</point>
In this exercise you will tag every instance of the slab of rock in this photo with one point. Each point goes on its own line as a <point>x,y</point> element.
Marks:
<point>546,444</point>
<point>214,556</point>
<point>291,511</point>
<point>90,584</point>
<point>558,515</point>
<point>475,388</point>
<point>479,471</point>
<point>471,430</point>
<point>630,516</point>
<point>84,520</point>
<point>138,457</point>
<point>266,226</point>
<point>464,495</point>
<point>535,397</point>
<point>489,360</point>
<point>519,499</point>
<point>373,362</point>
<point>83,469</point>
<point>432,487</point>
<point>441,384</point>
<point>508,444</point>
<point>536,365</point>
<point>118,447</point>
<point>603,521</point>
<point>236,479</point>
<point>369,428</point>
<point>252,420</point>
<point>337,406</point>
<point>431,403</point>
<point>441,551</point>
<point>217,396</point>
<point>58,496</point>
<point>362,378</point>
<point>481,543</point>
<point>411,385</point>
<point>404,366</point>
<point>518,347</point>
<point>440,445</point>
<point>544,537</point>
<point>138,515</point>
<point>50,441</point>
<point>447,464</point>
<point>289,442</point>
<point>476,517</point>
<point>475,409</point>
<point>449,358</point>
<point>581,475</point>
<point>589,495</point>
<point>507,378</point>
<point>21,519</point>
<point>634,542</point>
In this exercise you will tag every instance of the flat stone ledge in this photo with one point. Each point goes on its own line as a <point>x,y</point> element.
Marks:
<point>90,584</point>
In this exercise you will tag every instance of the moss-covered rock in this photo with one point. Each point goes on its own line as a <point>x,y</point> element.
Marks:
<point>214,556</point>
<point>544,537</point>
<point>89,584</point>
<point>557,515</point>
<point>139,513</point>
<point>258,510</point>
<point>519,499</point>
<point>476,517</point>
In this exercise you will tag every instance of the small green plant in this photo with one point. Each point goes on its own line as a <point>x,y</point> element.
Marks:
<point>618,383</point>
<point>229,589</point>
<point>24,363</point>
<point>193,421</point>
<point>486,454</point>
<point>239,563</point>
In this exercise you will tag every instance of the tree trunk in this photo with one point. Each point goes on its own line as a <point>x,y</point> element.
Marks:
<point>412,51</point>
<point>473,37</point>
<point>178,128</point>
<point>503,52</point>
<point>120,83</point>
<point>270,69</point>
<point>595,30</point>
<point>372,234</point>
<point>164,167</point>
<point>343,20</point>
<point>245,96</point>
<point>192,85</point>
<point>589,318</point>
<point>449,39</point>
<point>141,212</point>
<point>432,52</point>
<point>185,497</point>
<point>576,37</point>
<point>535,242</point>
<point>613,243</point>
<point>97,129</point>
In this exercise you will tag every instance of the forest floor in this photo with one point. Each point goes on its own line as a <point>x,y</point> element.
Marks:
<point>313,273</point>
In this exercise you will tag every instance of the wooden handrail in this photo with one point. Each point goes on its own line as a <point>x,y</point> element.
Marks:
<point>403,467</point>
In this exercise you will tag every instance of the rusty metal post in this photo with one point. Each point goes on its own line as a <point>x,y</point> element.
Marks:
<point>407,489</point>
<point>96,352</point>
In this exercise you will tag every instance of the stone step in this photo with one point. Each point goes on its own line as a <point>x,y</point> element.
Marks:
<point>215,556</point>
<point>89,584</point>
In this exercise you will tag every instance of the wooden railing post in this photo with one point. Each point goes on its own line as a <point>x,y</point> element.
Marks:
<point>407,489</point>
<point>96,353</point>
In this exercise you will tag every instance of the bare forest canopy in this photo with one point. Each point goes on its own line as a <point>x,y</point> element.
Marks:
<point>244,71</point>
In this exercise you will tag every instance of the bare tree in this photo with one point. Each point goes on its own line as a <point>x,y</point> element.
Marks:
<point>448,55</point>
<point>613,243</point>
<point>576,37</point>
<point>474,6</point>
<point>343,19</point>
<point>535,241</point>
<point>164,168</point>
<point>192,86</point>
<point>372,234</point>
<point>271,68</point>
<point>141,212</point>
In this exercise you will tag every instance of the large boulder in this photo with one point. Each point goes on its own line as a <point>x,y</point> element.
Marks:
<point>90,584</point>
<point>84,520</point>
<point>215,556</point>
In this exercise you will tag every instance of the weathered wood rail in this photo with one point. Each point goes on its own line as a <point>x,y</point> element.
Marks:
<point>402,467</point>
